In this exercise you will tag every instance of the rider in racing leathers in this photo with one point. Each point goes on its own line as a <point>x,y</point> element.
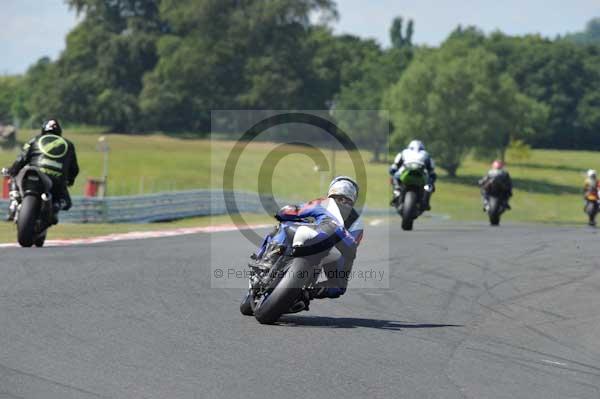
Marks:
<point>415,152</point>
<point>591,191</point>
<point>591,183</point>
<point>334,223</point>
<point>54,156</point>
<point>497,174</point>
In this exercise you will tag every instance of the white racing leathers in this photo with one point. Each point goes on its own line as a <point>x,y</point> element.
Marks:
<point>407,157</point>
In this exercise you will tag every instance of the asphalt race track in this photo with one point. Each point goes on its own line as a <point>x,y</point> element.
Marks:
<point>471,312</point>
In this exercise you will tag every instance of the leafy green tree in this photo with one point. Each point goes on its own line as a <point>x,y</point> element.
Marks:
<point>376,73</point>
<point>591,34</point>
<point>38,97</point>
<point>558,74</point>
<point>455,100</point>
<point>105,57</point>
<point>232,54</point>
<point>9,88</point>
<point>398,38</point>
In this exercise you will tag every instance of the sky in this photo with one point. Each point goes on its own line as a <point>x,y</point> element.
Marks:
<point>32,29</point>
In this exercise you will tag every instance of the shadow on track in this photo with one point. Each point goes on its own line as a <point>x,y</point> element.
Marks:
<point>351,322</point>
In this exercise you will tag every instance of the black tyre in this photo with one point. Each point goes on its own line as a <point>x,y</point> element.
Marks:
<point>39,241</point>
<point>591,208</point>
<point>409,210</point>
<point>246,305</point>
<point>28,215</point>
<point>287,292</point>
<point>494,211</point>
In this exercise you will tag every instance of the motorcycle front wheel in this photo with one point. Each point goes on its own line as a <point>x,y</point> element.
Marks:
<point>299,275</point>
<point>246,305</point>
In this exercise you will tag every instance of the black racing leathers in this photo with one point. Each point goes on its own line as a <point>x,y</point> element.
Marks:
<point>496,182</point>
<point>55,156</point>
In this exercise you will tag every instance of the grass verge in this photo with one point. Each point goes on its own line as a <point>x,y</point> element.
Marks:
<point>547,184</point>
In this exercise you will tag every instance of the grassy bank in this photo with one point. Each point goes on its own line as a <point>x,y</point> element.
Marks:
<point>547,185</point>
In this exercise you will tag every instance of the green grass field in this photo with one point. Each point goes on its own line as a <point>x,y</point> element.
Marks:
<point>547,184</point>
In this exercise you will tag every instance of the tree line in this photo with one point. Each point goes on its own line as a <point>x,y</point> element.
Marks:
<point>162,65</point>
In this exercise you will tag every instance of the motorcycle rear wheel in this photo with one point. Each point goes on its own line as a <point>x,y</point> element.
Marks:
<point>591,209</point>
<point>494,211</point>
<point>28,215</point>
<point>408,210</point>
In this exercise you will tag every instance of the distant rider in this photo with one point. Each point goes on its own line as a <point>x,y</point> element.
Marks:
<point>498,178</point>
<point>415,152</point>
<point>591,183</point>
<point>334,223</point>
<point>591,190</point>
<point>54,156</point>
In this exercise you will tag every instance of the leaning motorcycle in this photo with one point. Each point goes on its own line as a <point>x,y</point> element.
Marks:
<point>497,202</point>
<point>34,209</point>
<point>408,198</point>
<point>285,285</point>
<point>591,206</point>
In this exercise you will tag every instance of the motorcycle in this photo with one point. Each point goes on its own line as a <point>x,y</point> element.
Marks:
<point>591,206</point>
<point>497,202</point>
<point>409,197</point>
<point>34,208</point>
<point>284,286</point>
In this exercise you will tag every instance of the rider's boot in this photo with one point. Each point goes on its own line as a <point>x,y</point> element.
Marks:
<point>428,192</point>
<point>12,210</point>
<point>396,195</point>
<point>326,292</point>
<point>15,197</point>
<point>426,203</point>
<point>56,207</point>
<point>301,303</point>
<point>486,204</point>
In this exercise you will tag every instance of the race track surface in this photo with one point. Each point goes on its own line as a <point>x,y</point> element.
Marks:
<point>471,312</point>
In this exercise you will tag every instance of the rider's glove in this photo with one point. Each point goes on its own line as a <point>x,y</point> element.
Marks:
<point>4,171</point>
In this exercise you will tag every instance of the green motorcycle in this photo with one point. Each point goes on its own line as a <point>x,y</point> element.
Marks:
<point>409,196</point>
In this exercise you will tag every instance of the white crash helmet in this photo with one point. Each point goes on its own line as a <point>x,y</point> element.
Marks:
<point>416,145</point>
<point>591,173</point>
<point>343,186</point>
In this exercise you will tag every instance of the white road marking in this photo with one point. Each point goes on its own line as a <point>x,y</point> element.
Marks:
<point>140,235</point>
<point>553,362</point>
<point>375,222</point>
